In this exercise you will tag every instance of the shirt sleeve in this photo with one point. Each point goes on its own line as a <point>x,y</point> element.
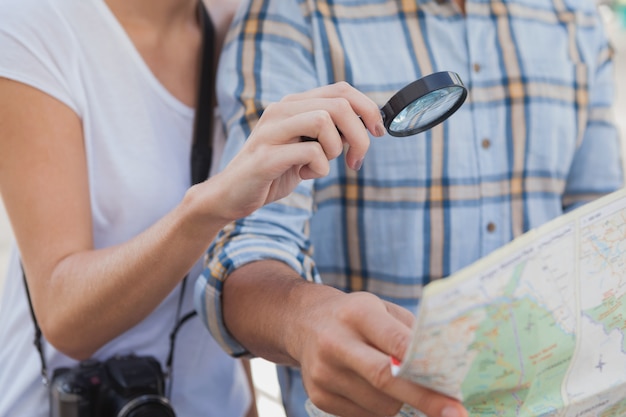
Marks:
<point>596,169</point>
<point>266,38</point>
<point>271,233</point>
<point>38,49</point>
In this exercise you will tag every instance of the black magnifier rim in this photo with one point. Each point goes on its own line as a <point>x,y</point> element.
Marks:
<point>416,90</point>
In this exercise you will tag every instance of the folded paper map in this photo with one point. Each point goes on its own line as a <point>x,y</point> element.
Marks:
<point>536,328</point>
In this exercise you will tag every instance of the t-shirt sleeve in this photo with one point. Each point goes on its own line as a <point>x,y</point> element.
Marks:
<point>38,49</point>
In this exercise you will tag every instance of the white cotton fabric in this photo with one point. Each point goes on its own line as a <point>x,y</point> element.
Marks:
<point>137,140</point>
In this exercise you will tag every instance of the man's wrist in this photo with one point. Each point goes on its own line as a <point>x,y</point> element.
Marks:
<point>308,301</point>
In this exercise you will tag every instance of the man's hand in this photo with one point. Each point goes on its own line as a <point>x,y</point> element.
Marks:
<point>342,342</point>
<point>345,359</point>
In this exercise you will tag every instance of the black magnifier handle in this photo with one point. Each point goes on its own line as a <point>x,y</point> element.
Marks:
<point>307,139</point>
<point>422,104</point>
<point>310,139</point>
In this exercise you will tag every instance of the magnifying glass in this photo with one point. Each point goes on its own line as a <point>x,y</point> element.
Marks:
<point>423,104</point>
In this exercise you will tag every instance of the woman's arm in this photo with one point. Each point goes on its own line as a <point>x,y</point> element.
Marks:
<point>44,185</point>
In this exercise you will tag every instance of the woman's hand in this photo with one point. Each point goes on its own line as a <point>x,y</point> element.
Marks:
<point>275,159</point>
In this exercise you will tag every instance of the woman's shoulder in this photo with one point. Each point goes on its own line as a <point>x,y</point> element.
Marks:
<point>25,10</point>
<point>39,45</point>
<point>35,19</point>
<point>34,27</point>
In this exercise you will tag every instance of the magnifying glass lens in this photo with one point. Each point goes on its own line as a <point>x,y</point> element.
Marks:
<point>422,104</point>
<point>426,109</point>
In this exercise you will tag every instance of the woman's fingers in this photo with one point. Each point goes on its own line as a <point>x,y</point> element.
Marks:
<point>361,104</point>
<point>349,111</point>
<point>286,133</point>
<point>329,115</point>
<point>319,120</point>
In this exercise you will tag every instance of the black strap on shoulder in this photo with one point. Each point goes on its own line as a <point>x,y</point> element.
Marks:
<point>202,147</point>
<point>201,150</point>
<point>201,156</point>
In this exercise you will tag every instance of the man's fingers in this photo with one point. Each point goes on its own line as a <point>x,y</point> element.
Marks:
<point>378,323</point>
<point>400,313</point>
<point>374,366</point>
<point>348,386</point>
<point>430,402</point>
<point>386,332</point>
<point>339,406</point>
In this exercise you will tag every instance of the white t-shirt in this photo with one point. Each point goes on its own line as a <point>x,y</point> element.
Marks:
<point>137,140</point>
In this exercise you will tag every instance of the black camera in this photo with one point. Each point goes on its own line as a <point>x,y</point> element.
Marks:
<point>122,386</point>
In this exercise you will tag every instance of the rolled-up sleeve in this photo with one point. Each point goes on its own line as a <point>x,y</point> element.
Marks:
<point>276,232</point>
<point>267,37</point>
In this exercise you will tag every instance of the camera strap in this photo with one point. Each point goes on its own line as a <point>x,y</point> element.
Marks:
<point>201,156</point>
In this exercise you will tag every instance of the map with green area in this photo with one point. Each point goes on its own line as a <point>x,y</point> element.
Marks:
<point>537,328</point>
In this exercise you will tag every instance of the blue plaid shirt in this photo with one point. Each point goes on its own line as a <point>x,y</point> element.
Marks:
<point>534,138</point>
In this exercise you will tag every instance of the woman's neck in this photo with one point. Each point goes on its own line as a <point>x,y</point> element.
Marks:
<point>168,36</point>
<point>161,15</point>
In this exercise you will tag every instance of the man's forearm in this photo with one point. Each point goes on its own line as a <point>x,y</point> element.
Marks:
<point>267,307</point>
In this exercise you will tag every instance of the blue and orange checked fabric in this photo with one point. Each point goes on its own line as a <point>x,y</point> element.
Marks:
<point>534,138</point>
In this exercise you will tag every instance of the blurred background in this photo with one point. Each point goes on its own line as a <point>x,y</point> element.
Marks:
<point>268,394</point>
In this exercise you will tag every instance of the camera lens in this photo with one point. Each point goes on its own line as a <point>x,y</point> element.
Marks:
<point>147,406</point>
